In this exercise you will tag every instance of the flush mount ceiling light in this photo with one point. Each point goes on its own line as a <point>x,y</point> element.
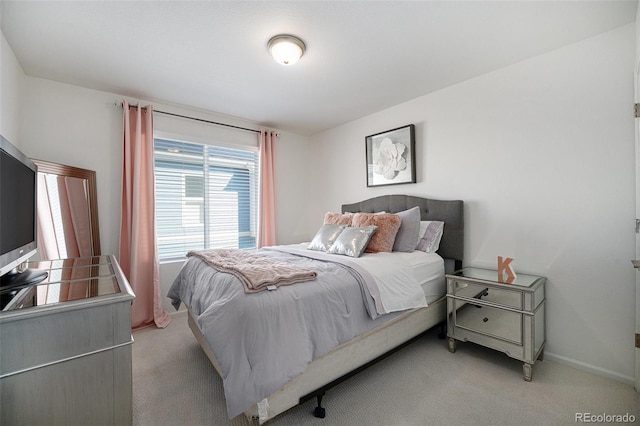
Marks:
<point>286,49</point>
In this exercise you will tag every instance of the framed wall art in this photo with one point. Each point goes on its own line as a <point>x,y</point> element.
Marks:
<point>391,157</point>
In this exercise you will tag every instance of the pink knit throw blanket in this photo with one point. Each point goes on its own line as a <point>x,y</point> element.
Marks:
<point>255,272</point>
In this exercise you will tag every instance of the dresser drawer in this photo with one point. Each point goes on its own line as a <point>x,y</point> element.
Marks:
<point>489,321</point>
<point>499,296</point>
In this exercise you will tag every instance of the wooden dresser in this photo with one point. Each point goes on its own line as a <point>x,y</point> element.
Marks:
<point>65,346</point>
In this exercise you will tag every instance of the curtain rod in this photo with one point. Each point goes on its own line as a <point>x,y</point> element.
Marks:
<point>120,104</point>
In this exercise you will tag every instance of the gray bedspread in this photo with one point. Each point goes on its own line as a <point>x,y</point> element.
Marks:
<point>263,340</point>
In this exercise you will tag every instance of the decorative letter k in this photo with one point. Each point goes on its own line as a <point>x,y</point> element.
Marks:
<point>504,266</point>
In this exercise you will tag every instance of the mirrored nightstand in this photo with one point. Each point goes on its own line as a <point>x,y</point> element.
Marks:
<point>507,317</point>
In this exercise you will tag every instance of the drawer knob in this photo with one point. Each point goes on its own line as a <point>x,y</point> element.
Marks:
<point>485,319</point>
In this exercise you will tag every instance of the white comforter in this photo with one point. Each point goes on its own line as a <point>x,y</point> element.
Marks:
<point>389,277</point>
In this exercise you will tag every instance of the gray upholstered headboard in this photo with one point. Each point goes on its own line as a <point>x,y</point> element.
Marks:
<point>450,212</point>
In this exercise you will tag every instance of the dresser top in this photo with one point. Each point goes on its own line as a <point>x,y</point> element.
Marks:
<point>70,283</point>
<point>491,276</point>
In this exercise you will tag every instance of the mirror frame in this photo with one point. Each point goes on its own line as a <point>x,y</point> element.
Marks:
<point>92,192</point>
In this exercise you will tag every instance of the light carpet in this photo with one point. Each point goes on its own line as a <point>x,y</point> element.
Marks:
<point>422,384</point>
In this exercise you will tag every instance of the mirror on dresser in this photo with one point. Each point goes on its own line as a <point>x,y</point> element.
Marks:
<point>67,212</point>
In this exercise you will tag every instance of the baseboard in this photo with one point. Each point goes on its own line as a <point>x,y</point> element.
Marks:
<point>177,314</point>
<point>603,372</point>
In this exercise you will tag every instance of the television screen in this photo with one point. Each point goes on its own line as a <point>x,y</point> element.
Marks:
<point>17,215</point>
<point>17,226</point>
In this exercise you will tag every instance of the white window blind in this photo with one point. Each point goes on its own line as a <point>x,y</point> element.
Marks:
<point>206,197</point>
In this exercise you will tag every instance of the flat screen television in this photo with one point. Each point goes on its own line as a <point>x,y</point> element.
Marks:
<point>18,201</point>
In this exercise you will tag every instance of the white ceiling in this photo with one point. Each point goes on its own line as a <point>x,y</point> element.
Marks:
<point>361,56</point>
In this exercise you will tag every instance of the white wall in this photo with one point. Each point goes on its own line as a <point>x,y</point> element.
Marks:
<point>83,128</point>
<point>78,127</point>
<point>542,153</point>
<point>11,81</point>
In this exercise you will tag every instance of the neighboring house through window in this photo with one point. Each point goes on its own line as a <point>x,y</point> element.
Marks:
<point>206,197</point>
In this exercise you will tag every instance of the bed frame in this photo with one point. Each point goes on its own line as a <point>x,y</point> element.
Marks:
<point>351,357</point>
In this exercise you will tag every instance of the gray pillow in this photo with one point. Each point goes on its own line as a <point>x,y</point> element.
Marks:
<point>352,241</point>
<point>325,236</point>
<point>409,232</point>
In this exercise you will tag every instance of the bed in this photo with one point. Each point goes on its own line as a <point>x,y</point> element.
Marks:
<point>335,352</point>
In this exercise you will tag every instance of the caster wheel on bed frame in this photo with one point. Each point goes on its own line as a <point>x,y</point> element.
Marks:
<point>442,333</point>
<point>319,412</point>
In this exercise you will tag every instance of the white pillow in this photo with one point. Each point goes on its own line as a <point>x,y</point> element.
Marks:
<point>325,236</point>
<point>430,235</point>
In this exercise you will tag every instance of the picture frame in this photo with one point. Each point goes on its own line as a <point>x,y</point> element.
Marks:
<point>391,158</point>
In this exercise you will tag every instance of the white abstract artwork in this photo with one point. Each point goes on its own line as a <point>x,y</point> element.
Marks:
<point>390,157</point>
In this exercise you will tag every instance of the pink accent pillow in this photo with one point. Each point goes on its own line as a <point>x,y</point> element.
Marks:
<point>338,218</point>
<point>388,225</point>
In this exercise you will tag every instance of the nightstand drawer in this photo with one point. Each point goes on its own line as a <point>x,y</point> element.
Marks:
<point>499,296</point>
<point>489,321</point>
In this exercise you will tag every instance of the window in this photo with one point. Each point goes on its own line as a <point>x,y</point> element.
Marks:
<point>206,197</point>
